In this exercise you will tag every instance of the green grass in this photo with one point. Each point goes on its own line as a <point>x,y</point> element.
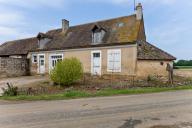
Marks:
<point>183,67</point>
<point>84,94</point>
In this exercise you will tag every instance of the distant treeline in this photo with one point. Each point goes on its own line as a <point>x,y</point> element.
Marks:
<point>183,63</point>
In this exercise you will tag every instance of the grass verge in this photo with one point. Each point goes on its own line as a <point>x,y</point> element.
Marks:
<point>183,67</point>
<point>85,94</point>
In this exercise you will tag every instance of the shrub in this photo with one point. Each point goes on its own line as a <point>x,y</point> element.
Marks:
<point>10,91</point>
<point>67,72</point>
<point>151,78</point>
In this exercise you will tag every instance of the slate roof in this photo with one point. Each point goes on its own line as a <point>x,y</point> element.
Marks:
<point>81,35</point>
<point>147,51</point>
<point>18,47</point>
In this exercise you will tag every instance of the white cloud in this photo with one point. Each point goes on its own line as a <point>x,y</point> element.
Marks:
<point>11,18</point>
<point>137,1</point>
<point>14,16</point>
<point>145,2</point>
<point>5,31</point>
<point>34,3</point>
<point>111,1</point>
<point>10,33</point>
<point>159,1</point>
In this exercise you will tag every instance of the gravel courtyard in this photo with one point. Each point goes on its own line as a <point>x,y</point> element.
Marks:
<point>21,81</point>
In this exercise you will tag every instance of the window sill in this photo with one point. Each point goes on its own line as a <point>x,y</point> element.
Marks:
<point>109,71</point>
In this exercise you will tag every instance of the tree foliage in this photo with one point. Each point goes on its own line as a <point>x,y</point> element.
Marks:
<point>67,72</point>
<point>183,63</point>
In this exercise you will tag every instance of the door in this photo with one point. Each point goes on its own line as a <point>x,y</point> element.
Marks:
<point>41,64</point>
<point>96,62</point>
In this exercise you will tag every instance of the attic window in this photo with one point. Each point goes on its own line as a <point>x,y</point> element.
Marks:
<point>120,24</point>
<point>97,35</point>
<point>43,40</point>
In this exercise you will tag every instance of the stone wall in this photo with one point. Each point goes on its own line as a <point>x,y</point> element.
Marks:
<point>13,67</point>
<point>147,68</point>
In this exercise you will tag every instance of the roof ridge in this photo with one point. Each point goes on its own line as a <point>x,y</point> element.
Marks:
<point>93,22</point>
<point>20,39</point>
<point>103,20</point>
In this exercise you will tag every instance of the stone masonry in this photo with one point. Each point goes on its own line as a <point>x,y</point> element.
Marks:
<point>13,67</point>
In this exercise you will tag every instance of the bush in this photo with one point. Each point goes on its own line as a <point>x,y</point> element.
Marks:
<point>10,91</point>
<point>151,78</point>
<point>67,72</point>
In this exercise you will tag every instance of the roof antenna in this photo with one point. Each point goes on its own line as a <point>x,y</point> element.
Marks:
<point>134,5</point>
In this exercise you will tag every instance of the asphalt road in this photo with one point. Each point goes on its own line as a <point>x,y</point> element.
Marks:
<point>135,111</point>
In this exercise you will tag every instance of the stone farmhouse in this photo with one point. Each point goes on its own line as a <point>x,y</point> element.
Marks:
<point>117,46</point>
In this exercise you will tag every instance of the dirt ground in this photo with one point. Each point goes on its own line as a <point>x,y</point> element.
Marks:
<point>183,72</point>
<point>21,81</point>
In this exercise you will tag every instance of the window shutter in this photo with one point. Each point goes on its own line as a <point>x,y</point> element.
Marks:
<point>110,61</point>
<point>117,61</point>
<point>114,60</point>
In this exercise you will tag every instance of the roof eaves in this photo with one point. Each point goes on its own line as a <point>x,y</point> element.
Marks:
<point>88,46</point>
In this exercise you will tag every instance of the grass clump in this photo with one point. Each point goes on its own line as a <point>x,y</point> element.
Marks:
<point>10,90</point>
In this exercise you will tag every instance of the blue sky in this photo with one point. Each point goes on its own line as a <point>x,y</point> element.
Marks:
<point>168,23</point>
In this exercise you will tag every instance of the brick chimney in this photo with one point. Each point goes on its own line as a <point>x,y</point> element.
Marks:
<point>65,25</point>
<point>139,11</point>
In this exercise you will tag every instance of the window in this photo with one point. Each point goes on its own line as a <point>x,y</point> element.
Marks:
<point>97,36</point>
<point>120,24</point>
<point>54,59</point>
<point>96,54</point>
<point>34,58</point>
<point>114,60</point>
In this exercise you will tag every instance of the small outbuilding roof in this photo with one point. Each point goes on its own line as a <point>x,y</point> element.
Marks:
<point>147,51</point>
<point>18,47</point>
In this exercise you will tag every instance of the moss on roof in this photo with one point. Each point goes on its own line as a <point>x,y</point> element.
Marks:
<point>119,30</point>
<point>18,47</point>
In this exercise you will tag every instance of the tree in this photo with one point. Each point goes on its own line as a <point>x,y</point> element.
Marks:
<point>183,63</point>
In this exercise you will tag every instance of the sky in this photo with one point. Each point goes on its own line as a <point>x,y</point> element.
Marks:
<point>168,23</point>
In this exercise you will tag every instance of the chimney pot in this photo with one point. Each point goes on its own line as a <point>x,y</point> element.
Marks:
<point>65,25</point>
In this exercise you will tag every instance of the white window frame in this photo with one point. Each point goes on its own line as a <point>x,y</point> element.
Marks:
<point>50,59</point>
<point>108,67</point>
<point>97,37</point>
<point>34,59</point>
<point>92,52</point>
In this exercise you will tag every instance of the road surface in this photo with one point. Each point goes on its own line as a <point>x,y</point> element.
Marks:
<point>133,111</point>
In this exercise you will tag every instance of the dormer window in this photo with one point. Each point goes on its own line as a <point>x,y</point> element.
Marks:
<point>43,39</point>
<point>97,35</point>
